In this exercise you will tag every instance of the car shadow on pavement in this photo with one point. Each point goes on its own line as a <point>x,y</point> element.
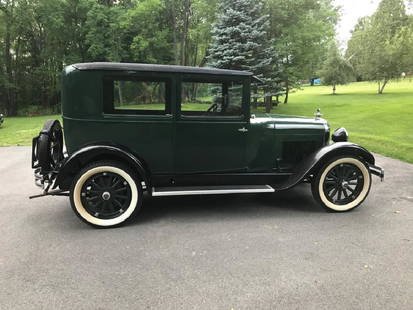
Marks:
<point>296,200</point>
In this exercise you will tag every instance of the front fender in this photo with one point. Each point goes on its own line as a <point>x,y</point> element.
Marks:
<point>313,162</point>
<point>72,165</point>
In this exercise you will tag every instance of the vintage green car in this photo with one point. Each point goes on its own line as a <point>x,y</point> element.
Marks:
<point>172,130</point>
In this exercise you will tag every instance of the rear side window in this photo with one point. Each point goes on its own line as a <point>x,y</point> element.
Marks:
<point>136,96</point>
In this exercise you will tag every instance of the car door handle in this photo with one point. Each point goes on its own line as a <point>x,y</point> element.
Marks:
<point>243,129</point>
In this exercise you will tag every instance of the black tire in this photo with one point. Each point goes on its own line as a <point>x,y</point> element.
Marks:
<point>49,149</point>
<point>106,194</point>
<point>342,183</point>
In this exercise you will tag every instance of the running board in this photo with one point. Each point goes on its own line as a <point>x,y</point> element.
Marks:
<point>211,190</point>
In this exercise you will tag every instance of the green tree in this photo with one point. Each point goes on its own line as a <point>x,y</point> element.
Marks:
<point>355,44</point>
<point>146,36</point>
<point>8,33</point>
<point>336,70</point>
<point>301,30</point>
<point>241,42</point>
<point>380,47</point>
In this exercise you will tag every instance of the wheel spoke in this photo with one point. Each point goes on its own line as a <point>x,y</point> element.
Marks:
<point>333,193</point>
<point>96,185</point>
<point>332,175</point>
<point>111,207</point>
<point>116,183</point>
<point>120,189</point>
<point>118,203</point>
<point>351,190</point>
<point>105,206</point>
<point>339,194</point>
<point>122,196</point>
<point>99,205</point>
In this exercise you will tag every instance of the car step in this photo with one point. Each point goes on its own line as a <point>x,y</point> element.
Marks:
<point>211,190</point>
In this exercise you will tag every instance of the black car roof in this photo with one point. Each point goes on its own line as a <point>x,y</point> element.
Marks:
<point>114,66</point>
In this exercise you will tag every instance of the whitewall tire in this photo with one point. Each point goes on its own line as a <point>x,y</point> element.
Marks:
<point>105,194</point>
<point>342,184</point>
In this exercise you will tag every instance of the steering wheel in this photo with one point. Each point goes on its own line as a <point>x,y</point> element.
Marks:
<point>213,108</point>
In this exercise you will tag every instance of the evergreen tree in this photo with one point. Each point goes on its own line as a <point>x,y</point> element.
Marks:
<point>240,42</point>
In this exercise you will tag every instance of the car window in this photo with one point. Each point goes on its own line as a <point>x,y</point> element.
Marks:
<point>136,96</point>
<point>210,98</point>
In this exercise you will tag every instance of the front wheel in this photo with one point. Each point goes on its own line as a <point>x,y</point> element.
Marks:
<point>342,184</point>
<point>105,194</point>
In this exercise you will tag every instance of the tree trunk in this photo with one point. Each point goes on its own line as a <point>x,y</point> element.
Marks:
<point>255,103</point>
<point>381,89</point>
<point>334,89</point>
<point>255,99</point>
<point>172,12</point>
<point>11,106</point>
<point>184,35</point>
<point>121,83</point>
<point>268,104</point>
<point>287,92</point>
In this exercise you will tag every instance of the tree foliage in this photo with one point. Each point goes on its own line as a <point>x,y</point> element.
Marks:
<point>284,38</point>
<point>241,41</point>
<point>301,30</point>
<point>336,69</point>
<point>381,45</point>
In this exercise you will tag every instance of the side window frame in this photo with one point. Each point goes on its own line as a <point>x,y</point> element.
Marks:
<point>108,95</point>
<point>224,80</point>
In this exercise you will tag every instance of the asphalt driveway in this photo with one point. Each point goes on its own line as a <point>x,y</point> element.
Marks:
<point>267,251</point>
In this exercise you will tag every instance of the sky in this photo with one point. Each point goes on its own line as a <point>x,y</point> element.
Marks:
<point>351,11</point>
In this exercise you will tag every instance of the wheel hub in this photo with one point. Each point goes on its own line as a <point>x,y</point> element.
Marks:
<point>106,196</point>
<point>344,184</point>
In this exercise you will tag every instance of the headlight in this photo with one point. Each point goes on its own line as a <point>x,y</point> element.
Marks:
<point>340,135</point>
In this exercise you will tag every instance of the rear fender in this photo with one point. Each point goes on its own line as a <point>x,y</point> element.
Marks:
<point>313,163</point>
<point>72,165</point>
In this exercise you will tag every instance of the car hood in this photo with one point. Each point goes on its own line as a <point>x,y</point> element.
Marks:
<point>281,121</point>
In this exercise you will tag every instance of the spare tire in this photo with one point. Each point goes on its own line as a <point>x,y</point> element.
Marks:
<point>49,149</point>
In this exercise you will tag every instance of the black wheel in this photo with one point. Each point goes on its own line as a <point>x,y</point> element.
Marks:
<point>342,184</point>
<point>106,194</point>
<point>49,147</point>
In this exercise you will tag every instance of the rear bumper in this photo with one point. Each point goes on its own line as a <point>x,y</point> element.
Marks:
<point>377,171</point>
<point>43,179</point>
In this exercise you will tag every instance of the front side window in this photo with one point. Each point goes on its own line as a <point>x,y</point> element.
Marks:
<point>211,98</point>
<point>138,96</point>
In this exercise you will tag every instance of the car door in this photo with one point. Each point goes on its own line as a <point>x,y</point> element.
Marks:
<point>211,125</point>
<point>138,114</point>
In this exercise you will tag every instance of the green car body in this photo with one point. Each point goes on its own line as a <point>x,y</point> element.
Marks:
<point>176,144</point>
<point>173,148</point>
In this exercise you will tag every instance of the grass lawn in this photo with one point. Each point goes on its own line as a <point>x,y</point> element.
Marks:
<point>21,130</point>
<point>381,123</point>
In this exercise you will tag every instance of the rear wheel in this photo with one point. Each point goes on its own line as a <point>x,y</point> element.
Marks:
<point>106,194</point>
<point>342,184</point>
